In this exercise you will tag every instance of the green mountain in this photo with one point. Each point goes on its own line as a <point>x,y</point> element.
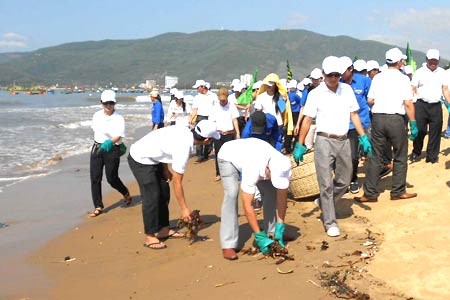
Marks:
<point>211,55</point>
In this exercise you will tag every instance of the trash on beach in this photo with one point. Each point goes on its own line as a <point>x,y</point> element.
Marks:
<point>310,248</point>
<point>3,225</point>
<point>285,272</point>
<point>324,246</point>
<point>224,283</point>
<point>276,251</point>
<point>66,259</point>
<point>338,287</point>
<point>192,226</point>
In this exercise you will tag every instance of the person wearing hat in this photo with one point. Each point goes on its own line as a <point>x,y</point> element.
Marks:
<point>225,115</point>
<point>109,129</point>
<point>390,96</point>
<point>149,158</point>
<point>271,97</point>
<point>360,67</point>
<point>428,84</point>
<point>254,163</point>
<point>373,68</point>
<point>157,110</point>
<point>295,101</point>
<point>178,110</point>
<point>202,105</point>
<point>332,104</point>
<point>238,89</point>
<point>360,84</point>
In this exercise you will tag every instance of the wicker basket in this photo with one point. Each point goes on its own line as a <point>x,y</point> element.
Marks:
<point>304,181</point>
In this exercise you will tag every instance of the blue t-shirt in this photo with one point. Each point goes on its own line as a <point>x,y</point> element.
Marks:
<point>361,85</point>
<point>272,134</point>
<point>157,113</point>
<point>295,100</point>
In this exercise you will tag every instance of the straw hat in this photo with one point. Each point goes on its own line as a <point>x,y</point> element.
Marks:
<point>272,77</point>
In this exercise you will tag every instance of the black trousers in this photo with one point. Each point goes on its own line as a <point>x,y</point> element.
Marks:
<point>111,161</point>
<point>354,148</point>
<point>288,138</point>
<point>428,116</point>
<point>155,195</point>
<point>202,151</point>
<point>218,144</point>
<point>387,128</point>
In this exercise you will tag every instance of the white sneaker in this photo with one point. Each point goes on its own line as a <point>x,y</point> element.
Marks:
<point>333,231</point>
<point>317,202</point>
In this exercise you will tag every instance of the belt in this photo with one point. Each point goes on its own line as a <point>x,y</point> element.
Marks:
<point>426,102</point>
<point>227,132</point>
<point>333,136</point>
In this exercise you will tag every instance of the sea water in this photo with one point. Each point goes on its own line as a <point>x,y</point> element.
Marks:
<point>38,131</point>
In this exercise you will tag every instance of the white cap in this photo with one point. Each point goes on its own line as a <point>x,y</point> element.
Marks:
<point>394,55</point>
<point>433,54</point>
<point>238,87</point>
<point>331,64</point>
<point>345,62</point>
<point>360,65</point>
<point>257,84</point>
<point>408,69</point>
<point>234,82</point>
<point>208,85</point>
<point>292,84</point>
<point>300,86</point>
<point>179,95</point>
<point>108,95</point>
<point>173,91</point>
<point>207,129</point>
<point>306,81</point>
<point>280,170</point>
<point>372,65</point>
<point>198,83</point>
<point>316,73</point>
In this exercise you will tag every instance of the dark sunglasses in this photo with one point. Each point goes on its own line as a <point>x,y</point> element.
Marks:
<point>109,103</point>
<point>335,74</point>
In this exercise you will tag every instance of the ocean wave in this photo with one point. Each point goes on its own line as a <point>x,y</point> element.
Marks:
<point>75,125</point>
<point>6,182</point>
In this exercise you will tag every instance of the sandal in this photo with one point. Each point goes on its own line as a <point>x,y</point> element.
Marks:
<point>154,246</point>
<point>127,199</point>
<point>173,235</point>
<point>98,211</point>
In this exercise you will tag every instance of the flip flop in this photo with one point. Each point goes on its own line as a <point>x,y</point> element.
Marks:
<point>98,211</point>
<point>163,246</point>
<point>173,235</point>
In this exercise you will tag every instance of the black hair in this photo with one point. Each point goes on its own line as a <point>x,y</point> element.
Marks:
<point>197,136</point>
<point>276,97</point>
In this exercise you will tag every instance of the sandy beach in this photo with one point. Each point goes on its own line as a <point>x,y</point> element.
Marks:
<point>387,250</point>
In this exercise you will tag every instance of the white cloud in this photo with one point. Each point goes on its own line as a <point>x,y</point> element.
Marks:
<point>12,42</point>
<point>13,36</point>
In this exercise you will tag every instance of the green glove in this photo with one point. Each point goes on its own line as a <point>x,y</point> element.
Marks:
<point>448,107</point>
<point>414,130</point>
<point>263,241</point>
<point>298,152</point>
<point>106,146</point>
<point>279,231</point>
<point>365,145</point>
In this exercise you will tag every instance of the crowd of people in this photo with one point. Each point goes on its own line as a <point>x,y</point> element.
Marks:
<point>346,111</point>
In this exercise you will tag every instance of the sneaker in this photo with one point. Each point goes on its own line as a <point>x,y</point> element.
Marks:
<point>317,202</point>
<point>257,204</point>
<point>354,188</point>
<point>333,231</point>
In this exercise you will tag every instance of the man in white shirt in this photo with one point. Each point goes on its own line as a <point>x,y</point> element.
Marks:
<point>391,96</point>
<point>202,105</point>
<point>427,84</point>
<point>225,115</point>
<point>149,158</point>
<point>333,104</point>
<point>258,164</point>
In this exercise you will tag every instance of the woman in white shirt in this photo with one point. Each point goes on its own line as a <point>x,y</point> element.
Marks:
<point>178,111</point>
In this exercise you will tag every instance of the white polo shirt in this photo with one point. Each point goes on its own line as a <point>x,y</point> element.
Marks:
<point>251,157</point>
<point>389,89</point>
<point>429,84</point>
<point>106,127</point>
<point>265,103</point>
<point>223,116</point>
<point>172,144</point>
<point>203,103</point>
<point>331,110</point>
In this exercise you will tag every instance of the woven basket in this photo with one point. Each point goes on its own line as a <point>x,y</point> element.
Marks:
<point>304,181</point>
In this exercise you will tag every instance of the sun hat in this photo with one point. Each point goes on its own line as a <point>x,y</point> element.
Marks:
<point>238,87</point>
<point>433,54</point>
<point>280,170</point>
<point>292,84</point>
<point>199,82</point>
<point>234,82</point>
<point>345,62</point>
<point>331,64</point>
<point>306,81</point>
<point>372,65</point>
<point>207,129</point>
<point>257,84</point>
<point>154,93</point>
<point>360,65</point>
<point>108,95</point>
<point>258,119</point>
<point>316,73</point>
<point>300,86</point>
<point>394,55</point>
<point>269,80</point>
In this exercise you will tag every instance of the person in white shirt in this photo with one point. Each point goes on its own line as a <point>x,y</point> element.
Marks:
<point>178,110</point>
<point>148,160</point>
<point>109,129</point>
<point>272,97</point>
<point>390,96</point>
<point>202,105</point>
<point>333,104</point>
<point>428,84</point>
<point>253,162</point>
<point>225,115</point>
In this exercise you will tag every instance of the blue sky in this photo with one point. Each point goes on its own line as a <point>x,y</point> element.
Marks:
<point>27,25</point>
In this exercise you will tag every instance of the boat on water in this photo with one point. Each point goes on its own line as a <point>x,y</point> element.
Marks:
<point>13,92</point>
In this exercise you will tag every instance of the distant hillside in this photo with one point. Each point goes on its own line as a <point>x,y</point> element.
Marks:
<point>211,55</point>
